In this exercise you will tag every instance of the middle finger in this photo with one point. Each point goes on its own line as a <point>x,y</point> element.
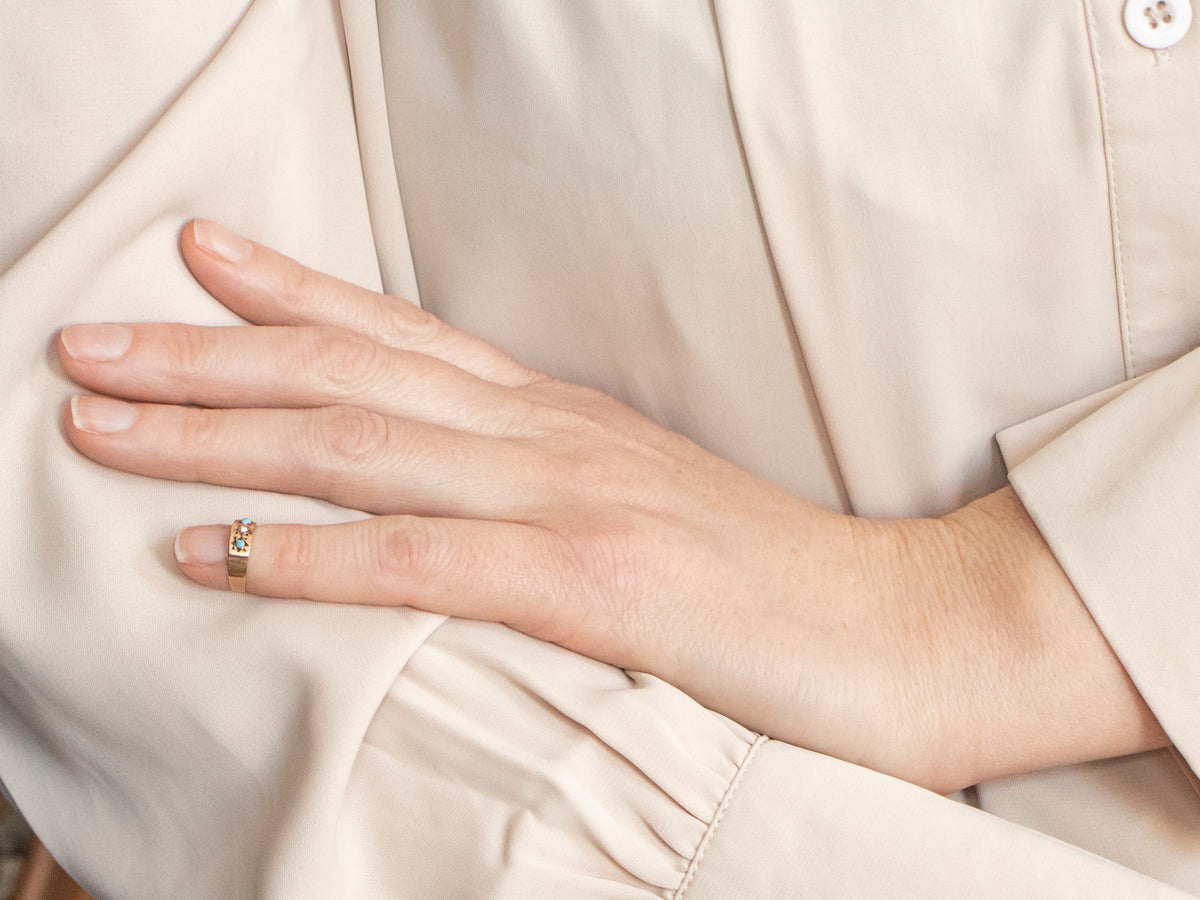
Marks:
<point>347,455</point>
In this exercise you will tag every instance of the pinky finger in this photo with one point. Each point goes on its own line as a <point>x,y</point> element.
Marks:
<point>460,567</point>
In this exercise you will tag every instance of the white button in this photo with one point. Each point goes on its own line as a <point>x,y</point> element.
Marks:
<point>1157,24</point>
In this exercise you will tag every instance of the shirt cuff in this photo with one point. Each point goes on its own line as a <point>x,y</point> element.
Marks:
<point>796,823</point>
<point>1112,483</point>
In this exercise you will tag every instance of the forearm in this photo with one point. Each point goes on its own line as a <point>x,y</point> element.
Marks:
<point>1059,693</point>
<point>963,637</point>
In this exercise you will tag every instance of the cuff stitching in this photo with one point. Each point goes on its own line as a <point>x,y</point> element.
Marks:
<point>694,865</point>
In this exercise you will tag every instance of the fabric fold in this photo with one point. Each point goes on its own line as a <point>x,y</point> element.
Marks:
<point>164,740</point>
<point>557,776</point>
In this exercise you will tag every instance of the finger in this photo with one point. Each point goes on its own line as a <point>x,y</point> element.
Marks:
<point>344,454</point>
<point>285,367</point>
<point>269,288</point>
<point>500,572</point>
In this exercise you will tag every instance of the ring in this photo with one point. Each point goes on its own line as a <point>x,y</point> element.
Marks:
<point>241,538</point>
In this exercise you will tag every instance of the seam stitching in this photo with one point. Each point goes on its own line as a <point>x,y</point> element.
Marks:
<point>694,865</point>
<point>1188,774</point>
<point>1113,205</point>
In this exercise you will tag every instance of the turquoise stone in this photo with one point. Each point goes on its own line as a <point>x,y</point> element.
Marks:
<point>240,544</point>
<point>245,521</point>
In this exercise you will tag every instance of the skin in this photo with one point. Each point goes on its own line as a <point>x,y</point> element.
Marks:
<point>943,651</point>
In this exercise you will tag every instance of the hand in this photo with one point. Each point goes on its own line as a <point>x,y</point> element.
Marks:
<point>936,650</point>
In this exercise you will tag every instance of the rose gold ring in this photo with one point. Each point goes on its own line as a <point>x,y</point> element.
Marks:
<point>241,538</point>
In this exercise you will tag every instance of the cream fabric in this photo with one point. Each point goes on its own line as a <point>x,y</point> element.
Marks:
<point>844,251</point>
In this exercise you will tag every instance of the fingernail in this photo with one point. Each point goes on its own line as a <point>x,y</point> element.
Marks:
<point>220,241</point>
<point>202,546</point>
<point>102,415</point>
<point>96,343</point>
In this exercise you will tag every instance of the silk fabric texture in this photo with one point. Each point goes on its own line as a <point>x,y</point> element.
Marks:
<point>844,251</point>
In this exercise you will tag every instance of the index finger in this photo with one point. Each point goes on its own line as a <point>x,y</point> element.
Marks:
<point>268,288</point>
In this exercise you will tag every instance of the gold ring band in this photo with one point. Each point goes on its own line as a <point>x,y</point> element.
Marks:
<point>241,538</point>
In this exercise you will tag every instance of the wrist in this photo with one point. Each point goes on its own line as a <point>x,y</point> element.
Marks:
<point>923,660</point>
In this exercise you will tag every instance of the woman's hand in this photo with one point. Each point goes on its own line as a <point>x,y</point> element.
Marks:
<point>936,650</point>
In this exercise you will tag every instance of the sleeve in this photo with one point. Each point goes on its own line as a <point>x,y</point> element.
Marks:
<point>1111,482</point>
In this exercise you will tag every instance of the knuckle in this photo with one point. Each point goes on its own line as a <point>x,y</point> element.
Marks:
<point>580,464</point>
<point>345,362</point>
<point>579,412</point>
<point>611,477</point>
<point>295,555</point>
<point>572,468</point>
<point>200,429</point>
<point>297,282</point>
<point>412,327</point>
<point>313,295</point>
<point>350,435</point>
<point>189,349</point>
<point>609,568</point>
<point>584,426</point>
<point>403,552</point>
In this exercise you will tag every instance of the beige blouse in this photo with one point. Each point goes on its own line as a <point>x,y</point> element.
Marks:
<point>886,254</point>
